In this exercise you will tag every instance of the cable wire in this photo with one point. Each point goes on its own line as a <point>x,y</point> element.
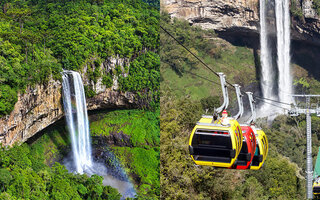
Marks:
<point>202,77</point>
<point>209,68</point>
<point>189,51</point>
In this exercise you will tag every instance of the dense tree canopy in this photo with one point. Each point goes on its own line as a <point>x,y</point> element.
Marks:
<point>23,175</point>
<point>38,38</point>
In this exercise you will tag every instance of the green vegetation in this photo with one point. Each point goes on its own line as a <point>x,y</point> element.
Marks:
<point>140,157</point>
<point>144,76</point>
<point>53,142</point>
<point>296,10</point>
<point>32,172</point>
<point>142,126</point>
<point>142,163</point>
<point>23,175</point>
<point>182,179</point>
<point>154,3</point>
<point>184,97</point>
<point>316,5</point>
<point>176,62</point>
<point>38,38</point>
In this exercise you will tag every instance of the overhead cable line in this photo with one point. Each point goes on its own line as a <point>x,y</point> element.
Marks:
<point>189,51</point>
<point>202,77</point>
<point>209,68</point>
<point>264,98</point>
<point>272,104</point>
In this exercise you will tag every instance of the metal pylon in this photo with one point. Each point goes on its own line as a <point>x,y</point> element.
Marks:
<point>309,151</point>
<point>308,111</point>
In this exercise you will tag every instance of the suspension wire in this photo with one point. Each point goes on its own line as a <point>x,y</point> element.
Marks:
<point>207,79</point>
<point>209,68</point>
<point>257,97</point>
<point>264,98</point>
<point>273,104</point>
<point>189,51</point>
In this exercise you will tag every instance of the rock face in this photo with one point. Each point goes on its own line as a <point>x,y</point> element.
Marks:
<point>37,108</point>
<point>41,106</point>
<point>220,15</point>
<point>242,17</point>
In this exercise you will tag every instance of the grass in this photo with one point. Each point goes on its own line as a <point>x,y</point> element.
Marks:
<point>53,144</point>
<point>142,161</point>
<point>144,165</point>
<point>236,62</point>
<point>141,125</point>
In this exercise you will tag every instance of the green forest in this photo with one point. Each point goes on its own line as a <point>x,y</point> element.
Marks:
<point>33,170</point>
<point>40,38</point>
<point>25,175</point>
<point>185,96</point>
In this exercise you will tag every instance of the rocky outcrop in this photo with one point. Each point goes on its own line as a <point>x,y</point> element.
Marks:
<point>41,105</point>
<point>220,15</point>
<point>35,109</point>
<point>242,17</point>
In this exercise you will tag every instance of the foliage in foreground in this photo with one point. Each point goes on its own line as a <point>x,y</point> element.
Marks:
<point>23,175</point>
<point>182,179</point>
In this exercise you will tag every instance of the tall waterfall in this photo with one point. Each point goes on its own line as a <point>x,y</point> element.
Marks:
<point>75,108</point>
<point>267,75</point>
<point>283,49</point>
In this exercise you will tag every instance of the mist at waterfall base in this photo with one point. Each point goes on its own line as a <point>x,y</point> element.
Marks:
<point>113,175</point>
<point>80,158</point>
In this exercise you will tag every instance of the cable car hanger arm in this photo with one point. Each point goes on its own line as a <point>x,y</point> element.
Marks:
<point>224,93</point>
<point>252,107</point>
<point>240,102</point>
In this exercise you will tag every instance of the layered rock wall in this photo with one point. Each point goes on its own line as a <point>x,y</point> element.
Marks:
<point>41,105</point>
<point>242,17</point>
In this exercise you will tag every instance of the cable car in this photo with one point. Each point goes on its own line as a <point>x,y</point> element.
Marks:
<point>215,143</point>
<point>316,186</point>
<point>261,150</point>
<point>248,149</point>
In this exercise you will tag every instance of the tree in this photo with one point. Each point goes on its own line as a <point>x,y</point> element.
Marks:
<point>5,178</point>
<point>20,15</point>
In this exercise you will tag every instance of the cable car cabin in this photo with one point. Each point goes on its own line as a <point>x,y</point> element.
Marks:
<point>248,149</point>
<point>261,150</point>
<point>215,144</point>
<point>316,187</point>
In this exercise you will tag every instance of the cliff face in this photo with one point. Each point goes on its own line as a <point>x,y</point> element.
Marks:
<point>220,15</point>
<point>242,17</point>
<point>41,105</point>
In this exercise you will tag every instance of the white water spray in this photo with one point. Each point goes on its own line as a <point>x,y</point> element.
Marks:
<point>283,50</point>
<point>267,75</point>
<point>75,108</point>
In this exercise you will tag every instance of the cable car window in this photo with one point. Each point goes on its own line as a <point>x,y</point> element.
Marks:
<point>242,157</point>
<point>244,148</point>
<point>212,141</point>
<point>255,160</point>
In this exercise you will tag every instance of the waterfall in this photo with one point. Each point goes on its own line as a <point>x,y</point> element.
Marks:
<point>267,75</point>
<point>74,103</point>
<point>75,108</point>
<point>283,50</point>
